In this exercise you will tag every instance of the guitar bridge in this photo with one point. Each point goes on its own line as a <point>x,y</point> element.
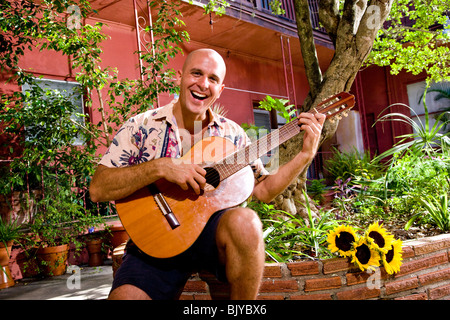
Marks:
<point>164,207</point>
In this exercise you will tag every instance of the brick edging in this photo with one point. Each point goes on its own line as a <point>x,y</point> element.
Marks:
<point>424,275</point>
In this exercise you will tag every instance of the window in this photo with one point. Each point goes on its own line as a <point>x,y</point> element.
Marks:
<point>437,101</point>
<point>266,121</point>
<point>67,89</point>
<point>262,118</point>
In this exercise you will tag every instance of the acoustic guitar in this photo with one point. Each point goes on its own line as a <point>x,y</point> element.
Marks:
<point>164,220</point>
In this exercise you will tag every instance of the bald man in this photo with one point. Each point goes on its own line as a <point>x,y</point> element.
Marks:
<point>231,245</point>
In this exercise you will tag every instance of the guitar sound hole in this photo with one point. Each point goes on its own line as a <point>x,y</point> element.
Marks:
<point>212,177</point>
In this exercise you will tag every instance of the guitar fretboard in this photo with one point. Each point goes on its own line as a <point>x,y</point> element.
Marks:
<point>245,156</point>
<point>236,161</point>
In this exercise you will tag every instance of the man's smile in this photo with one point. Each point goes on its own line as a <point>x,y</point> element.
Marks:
<point>198,96</point>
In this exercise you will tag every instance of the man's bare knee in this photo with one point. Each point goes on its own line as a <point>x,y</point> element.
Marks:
<point>128,292</point>
<point>241,229</point>
<point>241,224</point>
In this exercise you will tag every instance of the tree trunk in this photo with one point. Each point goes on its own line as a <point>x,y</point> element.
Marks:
<point>352,33</point>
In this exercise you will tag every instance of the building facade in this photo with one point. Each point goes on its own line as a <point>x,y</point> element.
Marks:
<point>263,57</point>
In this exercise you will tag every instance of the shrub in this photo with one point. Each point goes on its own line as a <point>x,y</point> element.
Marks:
<point>345,165</point>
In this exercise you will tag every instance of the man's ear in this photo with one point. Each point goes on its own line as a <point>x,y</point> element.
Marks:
<point>178,77</point>
<point>221,90</point>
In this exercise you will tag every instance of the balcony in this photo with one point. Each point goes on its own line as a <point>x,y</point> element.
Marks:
<point>248,27</point>
<point>261,9</point>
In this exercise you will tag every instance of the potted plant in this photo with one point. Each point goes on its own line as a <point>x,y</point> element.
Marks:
<point>19,190</point>
<point>9,232</point>
<point>59,221</point>
<point>97,246</point>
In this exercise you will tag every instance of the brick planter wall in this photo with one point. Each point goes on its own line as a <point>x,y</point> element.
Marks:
<point>424,275</point>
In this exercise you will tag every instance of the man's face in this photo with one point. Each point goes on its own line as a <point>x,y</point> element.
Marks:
<point>201,81</point>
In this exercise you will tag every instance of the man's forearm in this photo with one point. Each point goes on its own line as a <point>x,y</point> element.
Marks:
<point>109,184</point>
<point>275,184</point>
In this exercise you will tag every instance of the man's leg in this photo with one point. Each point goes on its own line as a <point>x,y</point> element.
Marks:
<point>241,248</point>
<point>128,292</point>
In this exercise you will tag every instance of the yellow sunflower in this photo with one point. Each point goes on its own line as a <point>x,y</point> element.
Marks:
<point>392,260</point>
<point>379,238</point>
<point>341,240</point>
<point>364,256</point>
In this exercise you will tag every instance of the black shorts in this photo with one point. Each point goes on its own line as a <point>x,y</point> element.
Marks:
<point>163,279</point>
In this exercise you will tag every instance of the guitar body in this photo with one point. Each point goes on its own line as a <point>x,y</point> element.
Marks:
<point>145,223</point>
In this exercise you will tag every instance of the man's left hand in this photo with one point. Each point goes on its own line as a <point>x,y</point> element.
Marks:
<point>312,125</point>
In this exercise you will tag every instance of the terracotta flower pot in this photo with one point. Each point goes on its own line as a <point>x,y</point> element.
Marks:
<point>119,236</point>
<point>53,259</point>
<point>94,248</point>
<point>6,279</point>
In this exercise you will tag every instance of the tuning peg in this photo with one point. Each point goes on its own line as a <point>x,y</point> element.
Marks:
<point>345,113</point>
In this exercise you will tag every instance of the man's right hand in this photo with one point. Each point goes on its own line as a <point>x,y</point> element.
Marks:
<point>182,174</point>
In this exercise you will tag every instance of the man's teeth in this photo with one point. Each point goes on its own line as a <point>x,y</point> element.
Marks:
<point>199,95</point>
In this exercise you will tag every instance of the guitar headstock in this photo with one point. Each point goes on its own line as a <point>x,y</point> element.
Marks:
<point>336,106</point>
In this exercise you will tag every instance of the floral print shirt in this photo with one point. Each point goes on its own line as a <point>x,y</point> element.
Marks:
<point>154,134</point>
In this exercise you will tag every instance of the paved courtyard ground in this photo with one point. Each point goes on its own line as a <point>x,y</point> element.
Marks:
<point>79,283</point>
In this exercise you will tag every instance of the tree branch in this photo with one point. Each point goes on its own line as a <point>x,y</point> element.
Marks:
<point>307,45</point>
<point>329,17</point>
<point>371,22</point>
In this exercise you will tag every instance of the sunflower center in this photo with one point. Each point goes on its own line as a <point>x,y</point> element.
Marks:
<point>344,241</point>
<point>390,255</point>
<point>378,238</point>
<point>363,254</point>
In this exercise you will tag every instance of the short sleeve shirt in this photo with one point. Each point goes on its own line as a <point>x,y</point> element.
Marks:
<point>154,134</point>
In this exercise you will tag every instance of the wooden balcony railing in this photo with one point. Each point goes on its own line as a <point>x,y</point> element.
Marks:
<point>288,6</point>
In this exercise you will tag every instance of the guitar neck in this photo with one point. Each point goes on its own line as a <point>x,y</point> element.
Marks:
<point>256,150</point>
<point>331,107</point>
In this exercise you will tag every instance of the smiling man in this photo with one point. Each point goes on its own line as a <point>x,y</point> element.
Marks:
<point>231,244</point>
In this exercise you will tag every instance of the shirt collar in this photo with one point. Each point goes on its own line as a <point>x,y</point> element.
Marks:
<point>167,113</point>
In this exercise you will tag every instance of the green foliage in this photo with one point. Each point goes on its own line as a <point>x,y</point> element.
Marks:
<point>354,165</point>
<point>437,208</point>
<point>45,120</point>
<point>48,126</point>
<point>276,7</point>
<point>416,171</point>
<point>60,216</point>
<point>288,237</point>
<point>415,182</point>
<point>443,93</point>
<point>217,7</point>
<point>415,48</point>
<point>411,187</point>
<point>9,231</point>
<point>21,29</point>
<point>130,96</point>
<point>398,194</point>
<point>424,138</point>
<point>283,110</point>
<point>316,189</point>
